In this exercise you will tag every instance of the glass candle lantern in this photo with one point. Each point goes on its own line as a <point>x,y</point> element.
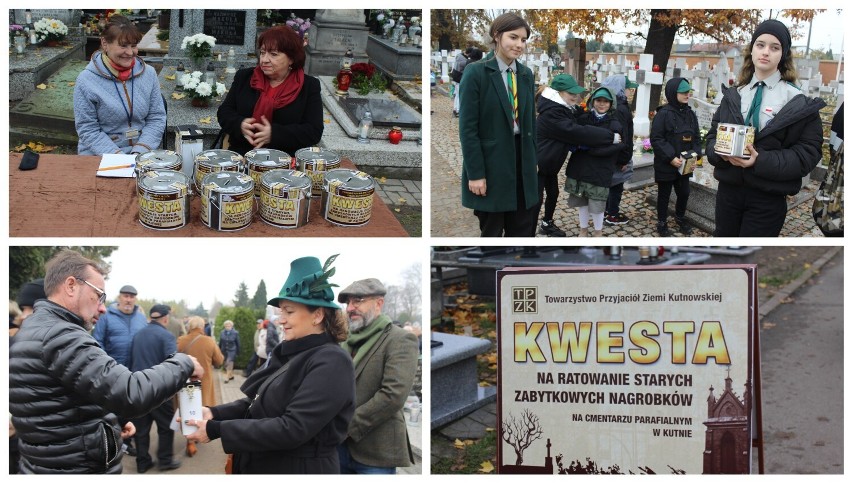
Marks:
<point>20,45</point>
<point>364,128</point>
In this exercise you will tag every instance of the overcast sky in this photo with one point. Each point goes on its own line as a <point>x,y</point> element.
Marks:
<point>201,270</point>
<point>827,31</point>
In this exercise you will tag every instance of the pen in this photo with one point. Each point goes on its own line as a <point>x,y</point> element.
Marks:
<point>121,166</point>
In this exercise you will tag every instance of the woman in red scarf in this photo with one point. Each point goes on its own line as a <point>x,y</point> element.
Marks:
<point>273,105</point>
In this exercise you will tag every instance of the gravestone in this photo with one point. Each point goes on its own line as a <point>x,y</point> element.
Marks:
<point>575,52</point>
<point>70,17</point>
<point>385,112</point>
<point>700,75</point>
<point>47,115</point>
<point>719,77</point>
<point>645,77</point>
<point>703,111</point>
<point>399,62</point>
<point>332,33</point>
<point>455,381</point>
<point>232,28</point>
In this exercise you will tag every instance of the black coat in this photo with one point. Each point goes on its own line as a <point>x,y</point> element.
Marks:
<point>673,131</point>
<point>64,389</point>
<point>788,147</point>
<point>294,425</point>
<point>596,165</point>
<point>296,125</point>
<point>625,117</point>
<point>557,131</point>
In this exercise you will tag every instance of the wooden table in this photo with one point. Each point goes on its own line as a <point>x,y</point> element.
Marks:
<point>64,198</point>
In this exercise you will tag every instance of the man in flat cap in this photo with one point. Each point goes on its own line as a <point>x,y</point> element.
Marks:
<point>151,346</point>
<point>115,329</point>
<point>385,358</point>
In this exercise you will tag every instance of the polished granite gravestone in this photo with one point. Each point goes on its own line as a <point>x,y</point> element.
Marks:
<point>47,115</point>
<point>70,17</point>
<point>38,63</point>
<point>332,33</point>
<point>399,62</point>
<point>455,382</point>
<point>385,112</point>
<point>232,28</point>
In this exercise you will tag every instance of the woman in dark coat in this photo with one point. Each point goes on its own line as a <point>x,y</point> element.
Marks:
<point>498,144</point>
<point>273,105</point>
<point>229,344</point>
<point>297,409</point>
<point>751,200</point>
<point>674,131</point>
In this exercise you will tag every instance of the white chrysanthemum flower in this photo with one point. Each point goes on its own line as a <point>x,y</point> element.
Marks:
<point>220,88</point>
<point>204,89</point>
<point>190,83</point>
<point>185,79</point>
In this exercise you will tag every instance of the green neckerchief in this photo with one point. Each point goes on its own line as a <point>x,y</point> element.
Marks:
<point>360,343</point>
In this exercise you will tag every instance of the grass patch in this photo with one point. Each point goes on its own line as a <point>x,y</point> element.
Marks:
<point>410,218</point>
<point>467,460</point>
<point>780,280</point>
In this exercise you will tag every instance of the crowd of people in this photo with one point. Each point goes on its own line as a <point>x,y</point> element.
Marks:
<point>325,393</point>
<point>119,107</point>
<point>515,139</point>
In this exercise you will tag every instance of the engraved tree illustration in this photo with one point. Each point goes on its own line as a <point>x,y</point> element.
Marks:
<point>520,433</point>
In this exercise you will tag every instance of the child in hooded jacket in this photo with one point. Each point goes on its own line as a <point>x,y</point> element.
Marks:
<point>558,133</point>
<point>674,131</point>
<point>591,168</point>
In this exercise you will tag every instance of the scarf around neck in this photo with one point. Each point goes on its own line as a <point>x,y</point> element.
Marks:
<point>359,343</point>
<point>272,98</point>
<point>280,355</point>
<point>120,73</point>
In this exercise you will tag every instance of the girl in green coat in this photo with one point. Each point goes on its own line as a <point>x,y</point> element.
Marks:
<point>497,132</point>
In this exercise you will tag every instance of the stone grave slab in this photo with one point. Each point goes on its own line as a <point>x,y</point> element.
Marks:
<point>385,112</point>
<point>332,33</point>
<point>37,65</point>
<point>70,17</point>
<point>48,114</point>
<point>455,382</point>
<point>396,61</point>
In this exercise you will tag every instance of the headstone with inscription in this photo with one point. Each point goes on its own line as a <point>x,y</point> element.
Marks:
<point>235,29</point>
<point>332,33</point>
<point>70,17</point>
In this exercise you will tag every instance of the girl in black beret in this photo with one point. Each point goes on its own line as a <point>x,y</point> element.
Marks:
<point>751,200</point>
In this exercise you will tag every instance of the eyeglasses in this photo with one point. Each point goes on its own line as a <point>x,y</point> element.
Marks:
<point>357,301</point>
<point>101,293</point>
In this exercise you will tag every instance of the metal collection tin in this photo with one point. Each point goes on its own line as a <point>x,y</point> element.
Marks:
<point>731,139</point>
<point>259,161</point>
<point>285,198</point>
<point>315,162</point>
<point>227,200</point>
<point>215,160</point>
<point>157,159</point>
<point>163,198</point>
<point>347,197</point>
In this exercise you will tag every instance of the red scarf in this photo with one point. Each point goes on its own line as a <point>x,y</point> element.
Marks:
<point>120,73</point>
<point>272,98</point>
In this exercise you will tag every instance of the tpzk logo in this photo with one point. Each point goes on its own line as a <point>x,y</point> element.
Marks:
<point>525,300</point>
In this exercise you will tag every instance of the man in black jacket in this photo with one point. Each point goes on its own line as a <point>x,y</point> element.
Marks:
<point>151,346</point>
<point>64,389</point>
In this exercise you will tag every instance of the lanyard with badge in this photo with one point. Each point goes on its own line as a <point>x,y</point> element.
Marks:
<point>131,133</point>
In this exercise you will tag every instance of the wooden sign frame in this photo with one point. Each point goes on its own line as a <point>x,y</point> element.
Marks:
<point>591,379</point>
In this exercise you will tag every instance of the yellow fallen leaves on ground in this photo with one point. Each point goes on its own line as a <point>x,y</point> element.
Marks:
<point>72,84</point>
<point>33,146</point>
<point>171,77</point>
<point>383,180</point>
<point>41,86</point>
<point>486,467</point>
<point>176,95</point>
<point>206,120</point>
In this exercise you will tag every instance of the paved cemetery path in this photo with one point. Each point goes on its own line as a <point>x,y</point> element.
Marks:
<point>450,219</point>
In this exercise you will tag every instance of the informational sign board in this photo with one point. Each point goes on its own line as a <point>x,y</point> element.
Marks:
<point>633,370</point>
